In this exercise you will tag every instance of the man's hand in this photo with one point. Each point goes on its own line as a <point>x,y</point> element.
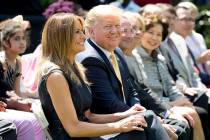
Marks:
<point>182,114</point>
<point>182,101</point>
<point>205,56</point>
<point>137,108</point>
<point>190,91</point>
<point>170,131</point>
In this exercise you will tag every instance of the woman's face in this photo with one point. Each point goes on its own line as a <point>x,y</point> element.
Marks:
<point>152,38</point>
<point>17,43</point>
<point>78,38</point>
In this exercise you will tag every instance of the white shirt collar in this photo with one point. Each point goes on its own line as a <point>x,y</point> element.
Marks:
<point>107,53</point>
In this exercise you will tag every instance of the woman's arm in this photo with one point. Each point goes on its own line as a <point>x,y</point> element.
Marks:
<point>25,92</point>
<point>108,118</point>
<point>61,98</point>
<point>17,80</point>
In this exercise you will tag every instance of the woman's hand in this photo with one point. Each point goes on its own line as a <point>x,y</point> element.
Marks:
<point>19,104</point>
<point>134,122</point>
<point>2,106</point>
<point>16,102</point>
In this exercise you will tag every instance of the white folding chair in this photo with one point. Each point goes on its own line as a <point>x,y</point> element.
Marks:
<point>39,114</point>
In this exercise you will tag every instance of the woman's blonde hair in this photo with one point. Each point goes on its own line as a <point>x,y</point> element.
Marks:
<point>135,16</point>
<point>56,42</point>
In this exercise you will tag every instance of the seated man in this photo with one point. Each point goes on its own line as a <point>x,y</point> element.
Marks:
<point>111,87</point>
<point>181,64</point>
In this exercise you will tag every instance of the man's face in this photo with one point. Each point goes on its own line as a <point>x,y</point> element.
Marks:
<point>127,35</point>
<point>184,23</point>
<point>170,18</point>
<point>106,33</point>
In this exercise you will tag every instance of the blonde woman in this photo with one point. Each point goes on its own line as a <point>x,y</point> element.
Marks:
<point>64,95</point>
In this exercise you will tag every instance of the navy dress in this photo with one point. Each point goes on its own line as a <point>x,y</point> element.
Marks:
<point>81,97</point>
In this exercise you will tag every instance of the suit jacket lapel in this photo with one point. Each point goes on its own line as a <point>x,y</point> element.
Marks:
<point>177,58</point>
<point>103,56</point>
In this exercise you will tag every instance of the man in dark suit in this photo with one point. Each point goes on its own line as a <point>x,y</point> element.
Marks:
<point>110,92</point>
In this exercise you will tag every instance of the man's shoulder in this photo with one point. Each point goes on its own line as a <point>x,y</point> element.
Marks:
<point>197,36</point>
<point>89,52</point>
<point>89,57</point>
<point>164,47</point>
<point>177,39</point>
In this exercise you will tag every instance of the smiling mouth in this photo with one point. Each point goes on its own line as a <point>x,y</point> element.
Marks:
<point>153,44</point>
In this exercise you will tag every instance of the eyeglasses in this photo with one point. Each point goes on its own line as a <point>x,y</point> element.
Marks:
<point>127,30</point>
<point>187,19</point>
<point>130,30</point>
<point>136,30</point>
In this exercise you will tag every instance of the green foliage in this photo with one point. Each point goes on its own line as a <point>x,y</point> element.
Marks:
<point>46,3</point>
<point>203,23</point>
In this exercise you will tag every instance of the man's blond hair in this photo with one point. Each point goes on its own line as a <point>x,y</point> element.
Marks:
<point>98,11</point>
<point>189,5</point>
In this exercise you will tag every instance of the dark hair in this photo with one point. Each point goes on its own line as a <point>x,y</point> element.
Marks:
<point>152,19</point>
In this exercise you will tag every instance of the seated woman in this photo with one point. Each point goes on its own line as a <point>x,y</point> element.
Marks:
<point>63,92</point>
<point>13,43</point>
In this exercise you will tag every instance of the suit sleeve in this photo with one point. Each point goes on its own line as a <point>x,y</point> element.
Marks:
<point>105,100</point>
<point>132,95</point>
<point>150,101</point>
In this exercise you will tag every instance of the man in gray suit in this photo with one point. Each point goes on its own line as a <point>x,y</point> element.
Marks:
<point>180,64</point>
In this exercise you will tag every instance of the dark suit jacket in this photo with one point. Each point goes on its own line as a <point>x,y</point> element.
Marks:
<point>105,86</point>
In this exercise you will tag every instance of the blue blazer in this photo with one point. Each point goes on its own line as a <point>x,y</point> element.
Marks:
<point>105,86</point>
